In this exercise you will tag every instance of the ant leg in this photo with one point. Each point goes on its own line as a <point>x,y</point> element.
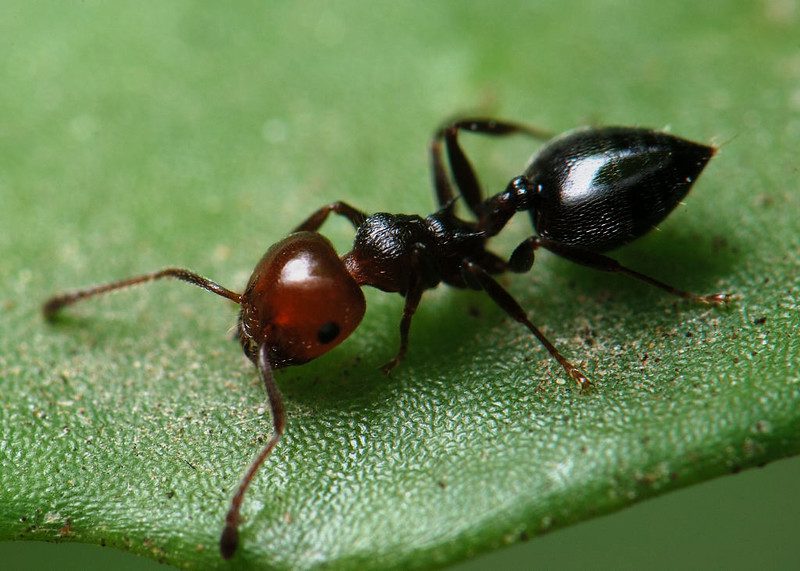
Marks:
<point>412,301</point>
<point>313,222</point>
<point>502,298</point>
<point>606,264</point>
<point>53,305</point>
<point>229,539</point>
<point>463,174</point>
<point>412,295</point>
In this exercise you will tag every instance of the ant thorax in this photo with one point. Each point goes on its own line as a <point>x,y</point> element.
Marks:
<point>391,249</point>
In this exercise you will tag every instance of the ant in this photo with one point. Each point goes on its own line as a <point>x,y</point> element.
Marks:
<point>587,191</point>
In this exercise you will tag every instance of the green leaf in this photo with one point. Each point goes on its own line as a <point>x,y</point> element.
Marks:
<point>140,136</point>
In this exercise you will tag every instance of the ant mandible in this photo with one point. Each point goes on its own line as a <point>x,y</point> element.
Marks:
<point>588,191</point>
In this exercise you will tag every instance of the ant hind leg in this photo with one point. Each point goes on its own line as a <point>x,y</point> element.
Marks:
<point>313,222</point>
<point>605,264</point>
<point>463,173</point>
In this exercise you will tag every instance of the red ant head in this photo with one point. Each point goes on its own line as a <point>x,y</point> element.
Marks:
<point>300,300</point>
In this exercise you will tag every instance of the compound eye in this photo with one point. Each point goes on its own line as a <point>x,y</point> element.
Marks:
<point>328,332</point>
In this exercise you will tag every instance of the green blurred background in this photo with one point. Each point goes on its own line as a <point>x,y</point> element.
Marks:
<point>366,73</point>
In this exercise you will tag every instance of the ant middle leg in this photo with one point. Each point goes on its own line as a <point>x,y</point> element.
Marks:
<point>313,222</point>
<point>473,272</point>
<point>463,174</point>
<point>523,254</point>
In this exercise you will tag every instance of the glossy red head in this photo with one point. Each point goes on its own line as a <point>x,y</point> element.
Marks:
<point>300,300</point>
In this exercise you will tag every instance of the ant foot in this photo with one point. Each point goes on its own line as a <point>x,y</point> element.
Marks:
<point>718,298</point>
<point>576,375</point>
<point>387,368</point>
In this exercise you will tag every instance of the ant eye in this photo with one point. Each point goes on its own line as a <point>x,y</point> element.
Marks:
<point>328,332</point>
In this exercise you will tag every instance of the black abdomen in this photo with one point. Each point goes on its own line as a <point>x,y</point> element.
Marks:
<point>601,188</point>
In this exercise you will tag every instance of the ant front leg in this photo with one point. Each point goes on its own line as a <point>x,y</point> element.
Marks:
<point>524,252</point>
<point>463,174</point>
<point>313,222</point>
<point>413,295</point>
<point>473,273</point>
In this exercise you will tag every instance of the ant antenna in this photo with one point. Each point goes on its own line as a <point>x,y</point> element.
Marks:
<point>230,534</point>
<point>56,303</point>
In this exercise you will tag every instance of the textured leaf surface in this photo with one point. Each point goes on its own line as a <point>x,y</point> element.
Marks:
<point>135,137</point>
